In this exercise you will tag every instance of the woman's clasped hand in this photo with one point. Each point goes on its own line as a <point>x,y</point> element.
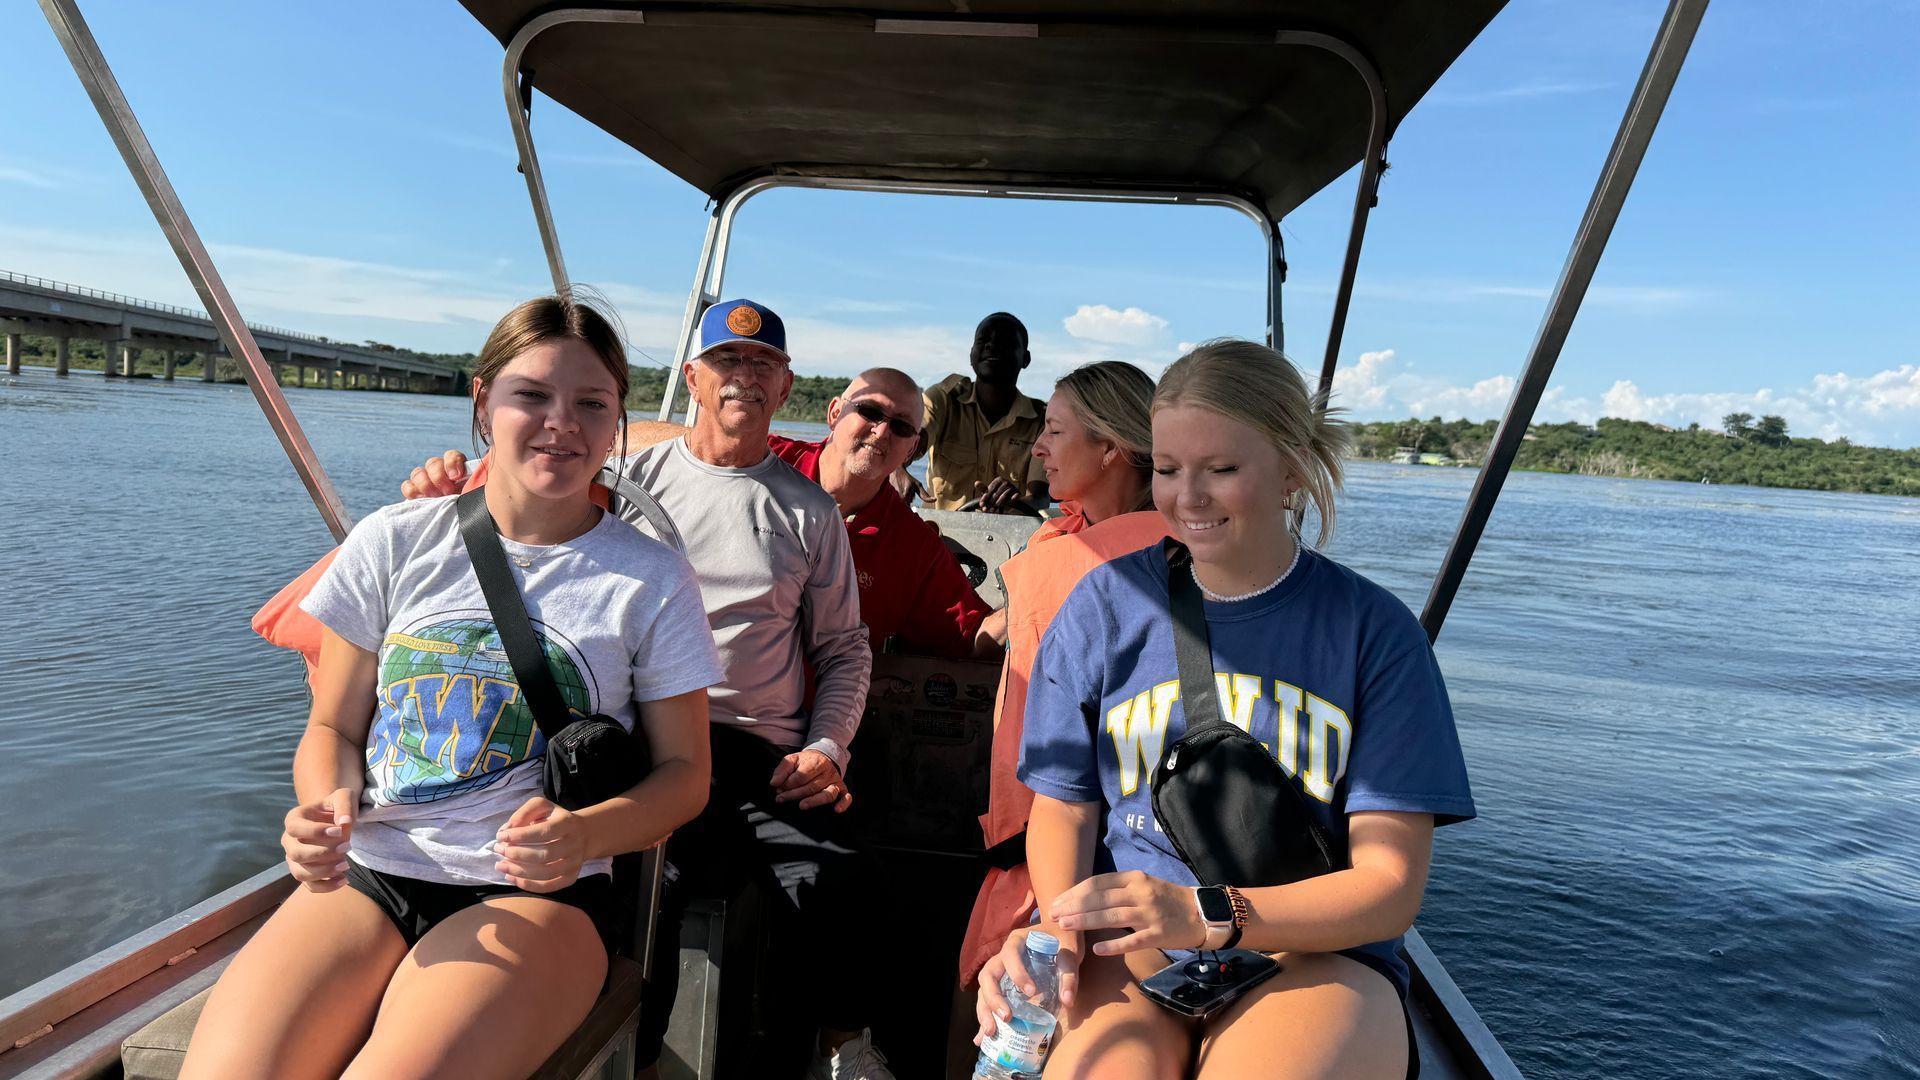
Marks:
<point>542,846</point>
<point>1159,914</point>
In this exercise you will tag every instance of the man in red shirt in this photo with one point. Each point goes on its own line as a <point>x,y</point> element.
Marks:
<point>911,587</point>
<point>910,584</point>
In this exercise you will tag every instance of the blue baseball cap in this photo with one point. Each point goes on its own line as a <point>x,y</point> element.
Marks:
<point>743,320</point>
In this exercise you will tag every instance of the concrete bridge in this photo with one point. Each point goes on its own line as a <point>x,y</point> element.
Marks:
<point>126,326</point>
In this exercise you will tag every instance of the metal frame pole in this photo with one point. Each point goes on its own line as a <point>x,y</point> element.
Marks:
<point>519,107</point>
<point>698,298</point>
<point>1364,198</point>
<point>91,66</point>
<point>1664,61</point>
<point>1276,282</point>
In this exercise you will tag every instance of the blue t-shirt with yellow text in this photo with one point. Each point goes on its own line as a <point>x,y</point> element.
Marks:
<point>1330,671</point>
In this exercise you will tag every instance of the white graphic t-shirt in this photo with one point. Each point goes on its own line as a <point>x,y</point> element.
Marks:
<point>453,749</point>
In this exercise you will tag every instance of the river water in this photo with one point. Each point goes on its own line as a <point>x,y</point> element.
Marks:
<point>1692,716</point>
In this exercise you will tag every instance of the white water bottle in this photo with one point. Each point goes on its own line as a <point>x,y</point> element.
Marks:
<point>1018,1047</point>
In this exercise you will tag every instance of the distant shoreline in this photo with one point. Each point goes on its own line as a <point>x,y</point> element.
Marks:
<point>1757,453</point>
<point>1752,453</point>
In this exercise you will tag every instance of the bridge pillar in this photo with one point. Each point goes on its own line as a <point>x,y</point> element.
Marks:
<point>13,354</point>
<point>209,366</point>
<point>167,362</point>
<point>60,357</point>
<point>128,357</point>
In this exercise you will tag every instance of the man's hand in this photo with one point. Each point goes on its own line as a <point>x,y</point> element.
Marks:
<point>811,777</point>
<point>1007,496</point>
<point>443,475</point>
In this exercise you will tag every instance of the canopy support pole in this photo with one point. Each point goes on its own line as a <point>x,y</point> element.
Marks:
<point>1664,61</point>
<point>115,112</point>
<point>1371,166</point>
<point>518,87</point>
<point>1276,282</point>
<point>704,292</point>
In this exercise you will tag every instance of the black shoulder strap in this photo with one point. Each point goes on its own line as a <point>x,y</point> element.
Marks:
<point>1192,651</point>
<point>510,615</point>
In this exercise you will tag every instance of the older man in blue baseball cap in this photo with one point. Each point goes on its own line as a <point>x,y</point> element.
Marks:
<point>778,579</point>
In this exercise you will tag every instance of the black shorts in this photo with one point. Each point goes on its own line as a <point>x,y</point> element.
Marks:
<point>415,907</point>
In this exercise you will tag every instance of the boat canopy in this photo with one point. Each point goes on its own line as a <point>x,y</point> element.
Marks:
<point>1100,94</point>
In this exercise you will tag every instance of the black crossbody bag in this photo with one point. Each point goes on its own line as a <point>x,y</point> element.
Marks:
<point>590,759</point>
<point>1233,814</point>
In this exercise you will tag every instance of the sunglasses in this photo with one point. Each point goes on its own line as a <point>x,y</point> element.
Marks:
<point>872,415</point>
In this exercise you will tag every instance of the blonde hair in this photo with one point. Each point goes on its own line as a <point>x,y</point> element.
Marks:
<point>579,314</point>
<point>1262,389</point>
<point>1114,401</point>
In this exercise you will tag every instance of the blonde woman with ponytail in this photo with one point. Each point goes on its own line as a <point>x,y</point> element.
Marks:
<point>1097,451</point>
<point>1320,664</point>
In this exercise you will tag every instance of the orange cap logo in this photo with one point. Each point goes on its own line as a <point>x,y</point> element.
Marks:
<point>743,320</point>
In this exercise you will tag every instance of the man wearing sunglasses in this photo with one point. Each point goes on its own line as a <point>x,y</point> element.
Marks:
<point>910,585</point>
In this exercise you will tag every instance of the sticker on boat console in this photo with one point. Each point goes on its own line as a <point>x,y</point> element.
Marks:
<point>940,688</point>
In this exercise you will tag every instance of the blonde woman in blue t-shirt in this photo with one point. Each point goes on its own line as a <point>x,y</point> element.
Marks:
<point>1325,668</point>
<point>449,919</point>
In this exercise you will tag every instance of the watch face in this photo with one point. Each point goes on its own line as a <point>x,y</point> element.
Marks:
<point>1215,905</point>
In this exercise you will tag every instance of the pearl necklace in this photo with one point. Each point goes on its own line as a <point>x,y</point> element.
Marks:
<point>1261,591</point>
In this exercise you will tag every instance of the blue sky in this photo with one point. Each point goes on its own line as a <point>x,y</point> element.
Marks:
<point>350,166</point>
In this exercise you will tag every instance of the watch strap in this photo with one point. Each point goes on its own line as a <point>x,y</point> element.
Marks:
<point>1242,911</point>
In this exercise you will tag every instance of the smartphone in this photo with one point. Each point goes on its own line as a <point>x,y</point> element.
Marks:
<point>1198,986</point>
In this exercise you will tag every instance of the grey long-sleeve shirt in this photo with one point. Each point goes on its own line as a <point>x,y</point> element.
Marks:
<point>777,580</point>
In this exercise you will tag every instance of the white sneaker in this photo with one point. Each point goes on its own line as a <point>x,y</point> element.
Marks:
<point>856,1059</point>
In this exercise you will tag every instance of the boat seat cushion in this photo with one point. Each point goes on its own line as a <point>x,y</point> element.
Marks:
<point>156,1051</point>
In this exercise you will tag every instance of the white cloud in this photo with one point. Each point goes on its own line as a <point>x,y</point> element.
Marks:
<point>1131,326</point>
<point>928,353</point>
<point>417,307</point>
<point>14,174</point>
<point>1887,391</point>
<point>1882,408</point>
<point>1518,92</point>
<point>1636,298</point>
<point>1363,386</point>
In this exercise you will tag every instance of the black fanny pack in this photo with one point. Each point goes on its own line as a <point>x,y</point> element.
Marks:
<point>1233,814</point>
<point>590,759</point>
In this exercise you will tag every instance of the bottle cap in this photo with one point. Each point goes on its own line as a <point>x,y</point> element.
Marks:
<point>1043,943</point>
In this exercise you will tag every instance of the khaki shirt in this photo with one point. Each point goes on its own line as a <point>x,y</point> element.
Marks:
<point>965,448</point>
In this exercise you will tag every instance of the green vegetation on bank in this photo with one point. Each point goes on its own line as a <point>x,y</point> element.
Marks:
<point>807,404</point>
<point>1748,451</point>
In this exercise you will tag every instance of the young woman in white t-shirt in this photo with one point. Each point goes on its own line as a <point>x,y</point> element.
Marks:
<point>451,921</point>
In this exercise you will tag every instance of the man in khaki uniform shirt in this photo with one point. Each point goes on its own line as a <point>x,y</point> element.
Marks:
<point>980,431</point>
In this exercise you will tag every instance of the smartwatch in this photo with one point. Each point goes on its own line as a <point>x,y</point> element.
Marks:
<point>1218,914</point>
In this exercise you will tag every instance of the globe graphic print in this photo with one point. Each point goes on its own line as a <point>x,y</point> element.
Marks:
<point>452,718</point>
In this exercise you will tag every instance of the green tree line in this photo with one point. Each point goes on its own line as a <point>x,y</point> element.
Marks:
<point>807,403</point>
<point>1759,452</point>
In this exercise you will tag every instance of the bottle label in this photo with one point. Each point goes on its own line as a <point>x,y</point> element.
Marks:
<point>1019,1044</point>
